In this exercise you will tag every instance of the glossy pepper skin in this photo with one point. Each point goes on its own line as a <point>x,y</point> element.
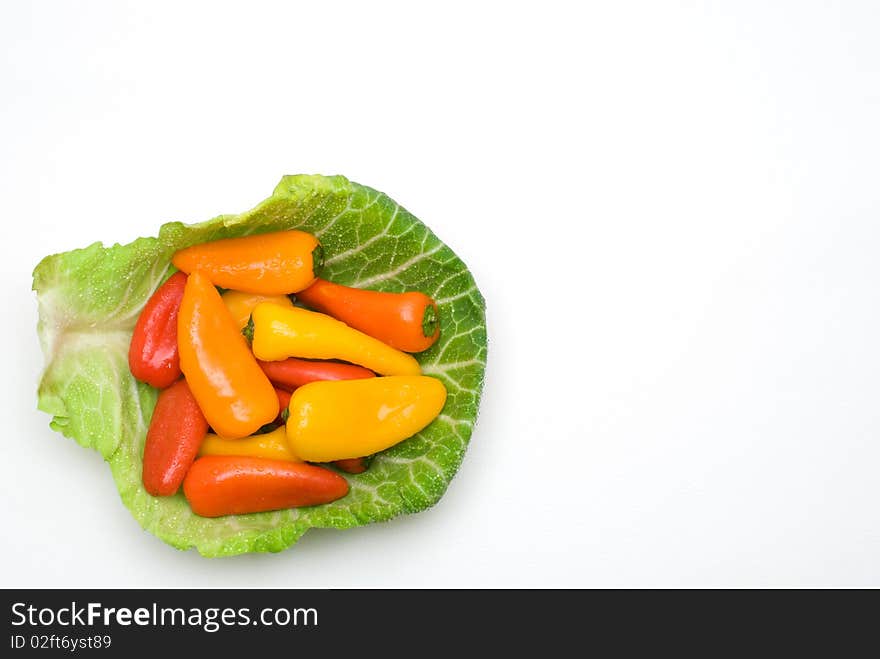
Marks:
<point>279,333</point>
<point>292,373</point>
<point>241,304</point>
<point>406,321</point>
<point>176,431</point>
<point>331,421</point>
<point>271,445</point>
<point>268,264</point>
<point>218,485</point>
<point>230,387</point>
<point>152,355</point>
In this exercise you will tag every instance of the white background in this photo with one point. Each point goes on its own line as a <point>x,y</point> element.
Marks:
<point>672,209</point>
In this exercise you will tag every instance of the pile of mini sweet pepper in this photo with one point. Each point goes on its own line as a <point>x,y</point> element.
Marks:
<point>260,395</point>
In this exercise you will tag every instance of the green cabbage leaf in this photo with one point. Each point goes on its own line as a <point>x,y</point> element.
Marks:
<point>89,300</point>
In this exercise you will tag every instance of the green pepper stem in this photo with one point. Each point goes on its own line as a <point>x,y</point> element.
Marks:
<point>285,414</point>
<point>430,320</point>
<point>248,330</point>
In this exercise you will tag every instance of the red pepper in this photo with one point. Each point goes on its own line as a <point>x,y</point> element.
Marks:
<point>152,356</point>
<point>176,432</point>
<point>353,465</point>
<point>292,373</point>
<point>219,485</point>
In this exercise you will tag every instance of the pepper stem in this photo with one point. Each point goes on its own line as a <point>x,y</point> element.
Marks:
<point>430,320</point>
<point>285,414</point>
<point>248,330</point>
<point>317,258</point>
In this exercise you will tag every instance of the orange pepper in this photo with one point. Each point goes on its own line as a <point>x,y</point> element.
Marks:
<point>406,321</point>
<point>269,263</point>
<point>235,395</point>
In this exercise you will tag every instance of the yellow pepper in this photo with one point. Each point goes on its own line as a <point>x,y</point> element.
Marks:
<point>279,333</point>
<point>241,304</point>
<point>272,445</point>
<point>336,420</point>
